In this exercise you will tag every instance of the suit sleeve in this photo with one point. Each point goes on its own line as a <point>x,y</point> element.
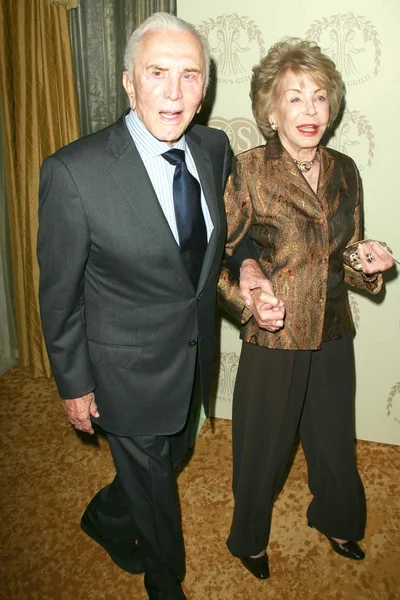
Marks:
<point>245,250</point>
<point>63,250</point>
<point>352,277</point>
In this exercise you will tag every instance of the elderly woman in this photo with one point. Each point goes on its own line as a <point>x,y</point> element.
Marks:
<point>299,204</point>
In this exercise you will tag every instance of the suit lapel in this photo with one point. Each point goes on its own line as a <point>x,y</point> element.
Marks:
<point>130,175</point>
<point>204,168</point>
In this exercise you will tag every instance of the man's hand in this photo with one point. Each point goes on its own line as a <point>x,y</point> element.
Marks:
<point>258,294</point>
<point>79,410</point>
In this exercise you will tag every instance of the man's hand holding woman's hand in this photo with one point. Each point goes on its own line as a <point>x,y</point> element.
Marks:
<point>258,294</point>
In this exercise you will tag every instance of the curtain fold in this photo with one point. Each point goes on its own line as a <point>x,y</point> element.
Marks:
<point>145,8</point>
<point>39,115</point>
<point>99,32</point>
<point>8,338</point>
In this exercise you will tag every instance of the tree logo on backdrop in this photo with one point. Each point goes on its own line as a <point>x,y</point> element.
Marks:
<point>236,43</point>
<point>353,44</point>
<point>389,402</point>
<point>243,133</point>
<point>354,137</point>
<point>355,310</point>
<point>227,374</point>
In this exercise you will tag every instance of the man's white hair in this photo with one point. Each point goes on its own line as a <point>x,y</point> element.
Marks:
<point>162,21</point>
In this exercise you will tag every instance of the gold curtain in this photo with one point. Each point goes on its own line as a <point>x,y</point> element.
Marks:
<point>39,113</point>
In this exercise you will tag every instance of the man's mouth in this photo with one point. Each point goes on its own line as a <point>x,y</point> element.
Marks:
<point>171,117</point>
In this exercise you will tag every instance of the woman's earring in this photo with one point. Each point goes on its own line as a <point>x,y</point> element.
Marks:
<point>273,127</point>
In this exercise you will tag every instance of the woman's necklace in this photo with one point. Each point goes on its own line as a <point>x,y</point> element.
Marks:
<point>305,165</point>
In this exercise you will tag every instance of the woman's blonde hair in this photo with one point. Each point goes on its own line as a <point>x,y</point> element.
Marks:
<point>303,58</point>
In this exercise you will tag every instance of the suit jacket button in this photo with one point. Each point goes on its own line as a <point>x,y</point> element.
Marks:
<point>193,343</point>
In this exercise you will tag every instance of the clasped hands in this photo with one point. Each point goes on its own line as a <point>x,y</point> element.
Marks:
<point>258,294</point>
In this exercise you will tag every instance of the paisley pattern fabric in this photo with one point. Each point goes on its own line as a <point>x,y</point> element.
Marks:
<point>300,237</point>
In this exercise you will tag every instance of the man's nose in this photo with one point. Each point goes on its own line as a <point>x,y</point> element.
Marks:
<point>173,89</point>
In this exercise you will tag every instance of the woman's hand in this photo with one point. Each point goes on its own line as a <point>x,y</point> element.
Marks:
<point>373,258</point>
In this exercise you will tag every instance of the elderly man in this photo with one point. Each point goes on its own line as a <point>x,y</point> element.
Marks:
<point>130,242</point>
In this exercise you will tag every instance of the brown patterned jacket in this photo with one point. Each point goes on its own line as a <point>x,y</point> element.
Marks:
<point>300,237</point>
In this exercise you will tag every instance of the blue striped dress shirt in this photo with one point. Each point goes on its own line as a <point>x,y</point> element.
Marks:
<point>161,173</point>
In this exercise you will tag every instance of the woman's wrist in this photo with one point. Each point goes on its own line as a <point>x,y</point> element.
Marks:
<point>370,277</point>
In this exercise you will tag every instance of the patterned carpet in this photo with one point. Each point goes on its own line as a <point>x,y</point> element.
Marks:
<point>48,474</point>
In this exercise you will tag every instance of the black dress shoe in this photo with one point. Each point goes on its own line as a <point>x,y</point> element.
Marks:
<point>172,592</point>
<point>348,549</point>
<point>125,555</point>
<point>257,566</point>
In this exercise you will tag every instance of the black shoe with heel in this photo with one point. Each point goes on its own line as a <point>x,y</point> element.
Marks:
<point>257,566</point>
<point>348,549</point>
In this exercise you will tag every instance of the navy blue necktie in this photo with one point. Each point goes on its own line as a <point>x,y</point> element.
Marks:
<point>189,215</point>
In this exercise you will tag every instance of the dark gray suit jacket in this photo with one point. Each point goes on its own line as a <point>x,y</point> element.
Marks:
<point>119,313</point>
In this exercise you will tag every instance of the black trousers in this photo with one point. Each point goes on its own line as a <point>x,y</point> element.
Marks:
<point>277,393</point>
<point>142,502</point>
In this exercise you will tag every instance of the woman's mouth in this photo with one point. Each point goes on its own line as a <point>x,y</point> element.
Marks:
<point>308,130</point>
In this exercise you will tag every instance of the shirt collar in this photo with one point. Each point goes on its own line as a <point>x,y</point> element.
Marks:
<point>147,145</point>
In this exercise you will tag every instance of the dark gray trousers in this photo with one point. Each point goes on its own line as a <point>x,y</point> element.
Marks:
<point>142,503</point>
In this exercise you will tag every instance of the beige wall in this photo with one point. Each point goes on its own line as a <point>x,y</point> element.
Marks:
<point>362,36</point>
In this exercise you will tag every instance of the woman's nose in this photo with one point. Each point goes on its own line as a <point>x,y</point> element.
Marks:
<point>310,107</point>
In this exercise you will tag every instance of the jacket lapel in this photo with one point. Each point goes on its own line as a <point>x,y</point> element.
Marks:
<point>204,168</point>
<point>130,175</point>
<point>285,169</point>
<point>325,177</point>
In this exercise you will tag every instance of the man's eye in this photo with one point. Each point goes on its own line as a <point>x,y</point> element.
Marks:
<point>157,73</point>
<point>189,76</point>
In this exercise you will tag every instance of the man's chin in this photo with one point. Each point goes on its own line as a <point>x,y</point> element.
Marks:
<point>170,137</point>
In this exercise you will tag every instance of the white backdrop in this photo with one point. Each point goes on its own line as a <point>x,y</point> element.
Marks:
<point>362,37</point>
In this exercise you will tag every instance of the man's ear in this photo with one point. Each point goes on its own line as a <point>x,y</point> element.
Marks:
<point>127,82</point>
<point>201,103</point>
